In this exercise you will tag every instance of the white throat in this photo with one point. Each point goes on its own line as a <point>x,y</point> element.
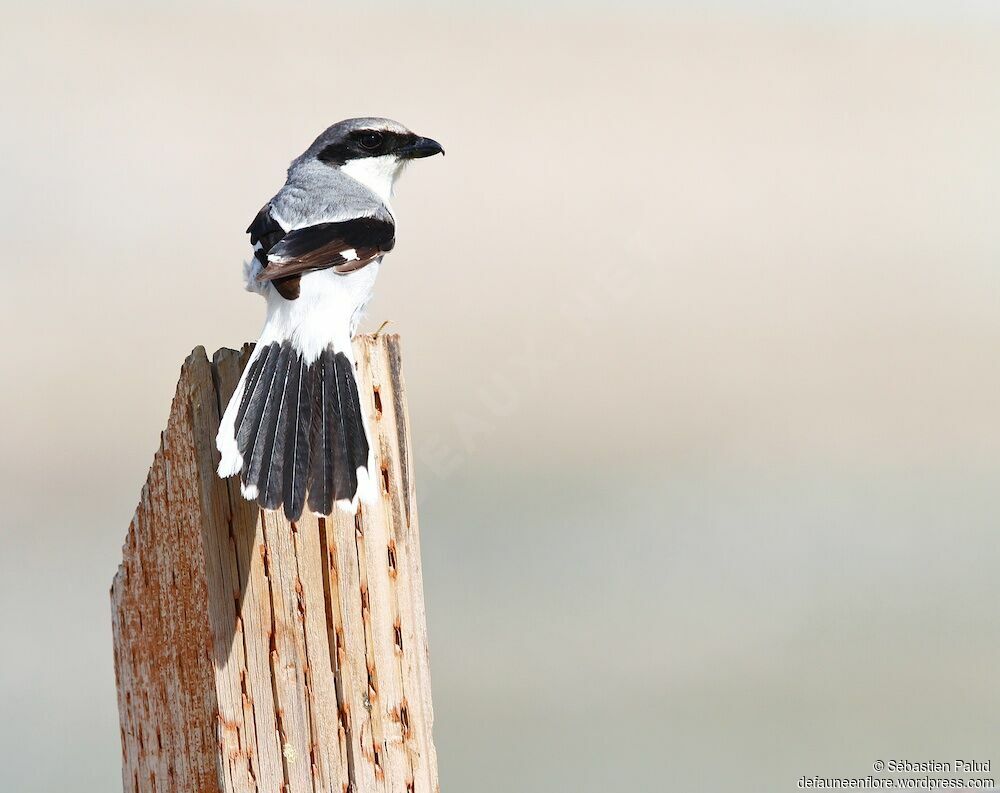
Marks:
<point>375,173</point>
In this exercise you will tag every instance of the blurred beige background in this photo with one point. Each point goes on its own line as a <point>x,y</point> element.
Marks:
<point>701,320</point>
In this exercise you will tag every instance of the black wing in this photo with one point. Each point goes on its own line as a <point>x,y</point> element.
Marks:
<point>344,246</point>
<point>265,229</point>
<point>268,232</point>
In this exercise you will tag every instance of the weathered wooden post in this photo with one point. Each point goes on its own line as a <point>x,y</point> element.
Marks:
<point>254,654</point>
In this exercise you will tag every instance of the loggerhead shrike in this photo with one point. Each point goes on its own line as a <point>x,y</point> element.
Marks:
<point>294,428</point>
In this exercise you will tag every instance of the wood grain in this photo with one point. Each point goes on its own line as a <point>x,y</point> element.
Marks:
<point>254,654</point>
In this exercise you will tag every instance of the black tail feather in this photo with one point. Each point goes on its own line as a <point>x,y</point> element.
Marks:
<point>344,478</point>
<point>260,458</point>
<point>300,431</point>
<point>269,483</point>
<point>321,465</point>
<point>248,420</point>
<point>253,377</point>
<point>351,422</point>
<point>298,444</point>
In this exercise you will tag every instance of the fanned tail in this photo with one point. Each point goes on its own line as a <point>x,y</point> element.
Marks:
<point>295,432</point>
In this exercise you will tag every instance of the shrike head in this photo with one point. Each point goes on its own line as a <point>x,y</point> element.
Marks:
<point>371,150</point>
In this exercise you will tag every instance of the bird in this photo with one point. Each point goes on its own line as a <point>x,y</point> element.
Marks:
<point>294,430</point>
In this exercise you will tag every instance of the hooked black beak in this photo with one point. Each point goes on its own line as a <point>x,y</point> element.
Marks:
<point>420,147</point>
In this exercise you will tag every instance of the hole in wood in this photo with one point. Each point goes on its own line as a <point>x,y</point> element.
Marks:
<point>378,401</point>
<point>300,598</point>
<point>385,480</point>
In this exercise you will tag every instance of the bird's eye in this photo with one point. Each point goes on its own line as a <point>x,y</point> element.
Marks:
<point>371,140</point>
